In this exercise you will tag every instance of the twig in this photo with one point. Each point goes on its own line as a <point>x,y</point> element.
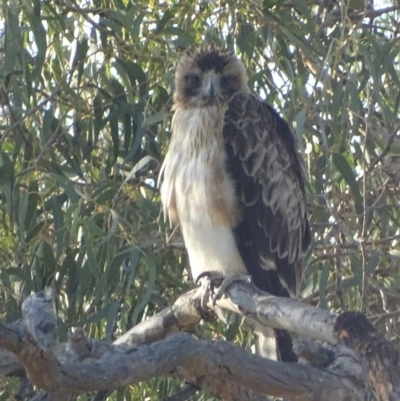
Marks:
<point>39,106</point>
<point>363,233</point>
<point>385,151</point>
<point>375,319</point>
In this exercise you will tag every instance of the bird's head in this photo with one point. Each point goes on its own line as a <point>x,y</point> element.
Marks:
<point>207,76</point>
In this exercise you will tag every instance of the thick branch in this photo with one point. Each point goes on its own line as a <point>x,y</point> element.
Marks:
<point>245,299</point>
<point>183,315</point>
<point>282,313</point>
<point>383,358</point>
<point>229,372</point>
<point>205,364</point>
<point>30,341</point>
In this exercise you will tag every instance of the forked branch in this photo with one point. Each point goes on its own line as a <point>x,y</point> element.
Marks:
<point>156,348</point>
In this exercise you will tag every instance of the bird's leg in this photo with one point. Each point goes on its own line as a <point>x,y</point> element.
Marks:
<point>215,280</point>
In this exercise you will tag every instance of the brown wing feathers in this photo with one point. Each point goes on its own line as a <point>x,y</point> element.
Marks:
<point>273,231</point>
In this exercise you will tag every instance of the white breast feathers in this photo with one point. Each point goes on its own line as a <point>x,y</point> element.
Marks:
<point>197,192</point>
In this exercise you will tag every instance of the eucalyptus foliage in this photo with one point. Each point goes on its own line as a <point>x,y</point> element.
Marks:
<point>85,95</point>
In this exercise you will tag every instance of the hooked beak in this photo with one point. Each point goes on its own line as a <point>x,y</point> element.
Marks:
<point>210,87</point>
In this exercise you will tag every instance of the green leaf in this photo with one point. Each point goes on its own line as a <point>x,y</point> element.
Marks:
<point>155,118</point>
<point>115,140</point>
<point>46,127</point>
<point>300,121</point>
<point>323,282</point>
<point>138,120</point>
<point>49,260</point>
<point>348,174</point>
<point>103,313</point>
<point>111,319</point>
<point>139,166</point>
<point>12,41</point>
<point>22,211</point>
<point>169,14</point>
<point>148,288</point>
<point>58,219</point>
<point>80,52</point>
<point>113,228</point>
<point>7,181</point>
<point>106,192</point>
<point>98,118</point>
<point>39,33</point>
<point>68,186</point>
<point>245,39</point>
<point>183,38</point>
<point>33,201</point>
<point>35,231</point>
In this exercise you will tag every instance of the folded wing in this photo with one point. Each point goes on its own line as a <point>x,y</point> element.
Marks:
<point>273,231</point>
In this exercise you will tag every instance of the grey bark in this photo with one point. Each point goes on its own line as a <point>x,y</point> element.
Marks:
<point>157,347</point>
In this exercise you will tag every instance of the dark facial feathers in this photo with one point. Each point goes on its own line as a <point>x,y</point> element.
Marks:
<point>208,67</point>
<point>209,57</point>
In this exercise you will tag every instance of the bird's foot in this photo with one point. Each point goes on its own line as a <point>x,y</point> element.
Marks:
<point>215,285</point>
<point>227,282</point>
<point>209,281</point>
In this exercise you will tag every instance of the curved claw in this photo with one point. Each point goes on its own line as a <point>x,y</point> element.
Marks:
<point>212,276</point>
<point>216,285</point>
<point>213,280</point>
<point>202,275</point>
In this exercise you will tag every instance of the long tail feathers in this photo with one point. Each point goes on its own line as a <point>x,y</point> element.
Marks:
<point>274,344</point>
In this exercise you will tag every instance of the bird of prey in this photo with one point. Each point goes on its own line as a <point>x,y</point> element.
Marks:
<point>233,181</point>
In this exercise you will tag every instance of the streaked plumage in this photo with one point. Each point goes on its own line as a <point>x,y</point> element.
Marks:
<point>233,180</point>
<point>262,157</point>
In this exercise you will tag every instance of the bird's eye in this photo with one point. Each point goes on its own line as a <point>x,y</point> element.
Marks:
<point>193,80</point>
<point>226,81</point>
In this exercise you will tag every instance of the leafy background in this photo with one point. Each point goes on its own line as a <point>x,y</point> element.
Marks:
<point>85,96</point>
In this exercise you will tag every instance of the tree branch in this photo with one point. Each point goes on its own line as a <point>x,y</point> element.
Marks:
<point>183,315</point>
<point>227,371</point>
<point>282,313</point>
<point>383,358</point>
<point>220,366</point>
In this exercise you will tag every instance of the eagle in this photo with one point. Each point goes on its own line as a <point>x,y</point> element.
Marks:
<point>234,182</point>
